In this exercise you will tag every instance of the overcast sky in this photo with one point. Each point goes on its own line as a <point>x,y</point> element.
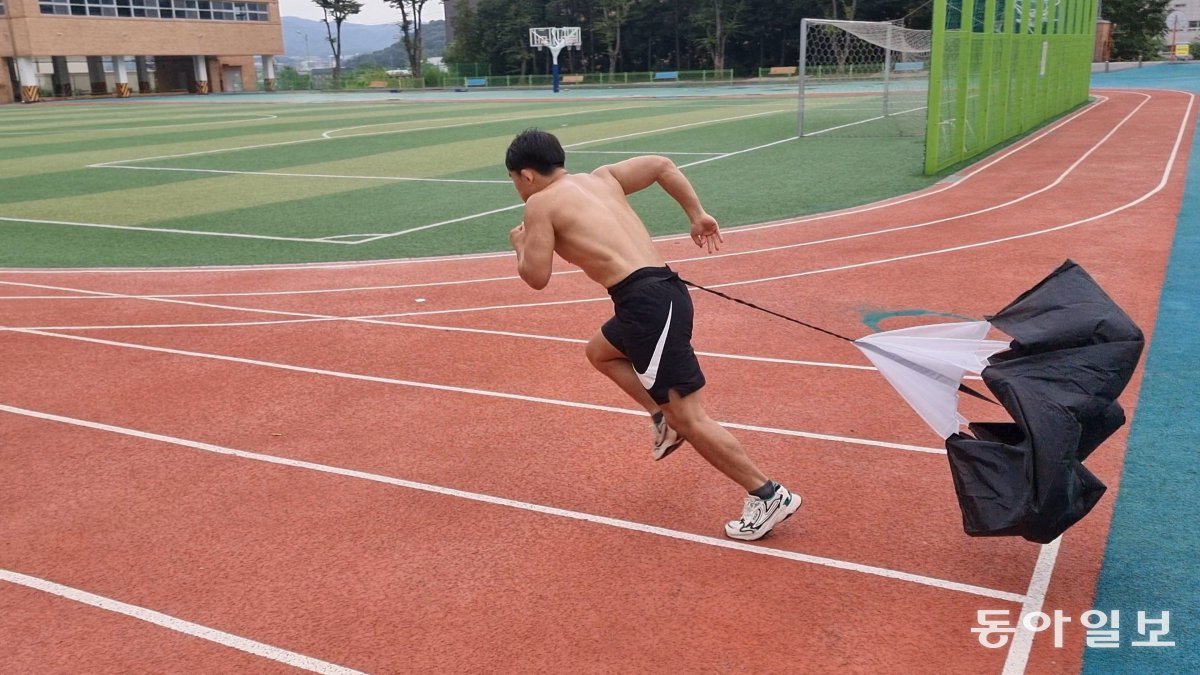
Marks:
<point>373,11</point>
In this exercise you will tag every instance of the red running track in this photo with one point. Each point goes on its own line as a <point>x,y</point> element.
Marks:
<point>409,466</point>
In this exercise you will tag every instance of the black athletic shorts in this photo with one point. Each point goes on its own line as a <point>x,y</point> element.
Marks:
<point>653,329</point>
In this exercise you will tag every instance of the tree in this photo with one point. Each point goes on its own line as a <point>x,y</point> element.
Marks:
<point>337,10</point>
<point>612,15</point>
<point>1138,27</point>
<point>410,31</point>
<point>719,19</point>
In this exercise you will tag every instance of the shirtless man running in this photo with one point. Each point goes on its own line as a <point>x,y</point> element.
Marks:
<point>646,347</point>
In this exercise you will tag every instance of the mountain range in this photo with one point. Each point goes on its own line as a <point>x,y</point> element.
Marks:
<point>356,38</point>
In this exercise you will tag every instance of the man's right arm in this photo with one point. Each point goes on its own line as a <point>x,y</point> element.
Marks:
<point>640,173</point>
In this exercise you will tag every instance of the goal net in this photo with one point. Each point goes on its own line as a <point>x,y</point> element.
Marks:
<point>863,78</point>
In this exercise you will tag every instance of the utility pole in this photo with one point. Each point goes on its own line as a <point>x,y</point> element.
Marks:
<point>307,57</point>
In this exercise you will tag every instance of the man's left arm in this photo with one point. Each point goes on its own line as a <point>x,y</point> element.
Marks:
<point>533,240</point>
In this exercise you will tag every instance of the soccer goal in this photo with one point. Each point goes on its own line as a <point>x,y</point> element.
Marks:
<point>863,78</point>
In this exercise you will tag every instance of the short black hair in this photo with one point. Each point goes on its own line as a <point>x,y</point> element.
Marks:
<point>535,149</point>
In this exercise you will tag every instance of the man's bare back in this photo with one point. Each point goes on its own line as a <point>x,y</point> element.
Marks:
<point>588,221</point>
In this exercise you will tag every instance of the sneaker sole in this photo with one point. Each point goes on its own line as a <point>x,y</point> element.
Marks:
<point>787,512</point>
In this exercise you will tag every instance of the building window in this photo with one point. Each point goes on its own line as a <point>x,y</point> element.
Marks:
<point>203,10</point>
<point>3,11</point>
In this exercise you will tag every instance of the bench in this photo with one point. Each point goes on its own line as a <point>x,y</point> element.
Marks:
<point>475,81</point>
<point>378,84</point>
<point>571,79</point>
<point>666,75</point>
<point>909,65</point>
<point>783,70</point>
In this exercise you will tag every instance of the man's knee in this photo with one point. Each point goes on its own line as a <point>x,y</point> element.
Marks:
<point>684,414</point>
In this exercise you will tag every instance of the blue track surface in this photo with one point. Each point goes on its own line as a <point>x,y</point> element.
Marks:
<point>1152,562</point>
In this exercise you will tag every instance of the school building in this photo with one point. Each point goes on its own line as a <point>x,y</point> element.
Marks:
<point>64,48</point>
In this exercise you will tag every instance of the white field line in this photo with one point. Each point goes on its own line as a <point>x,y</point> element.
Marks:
<point>165,620</point>
<point>474,392</point>
<point>673,128</point>
<point>1162,183</point>
<point>962,179</point>
<point>123,164</point>
<point>1035,596</point>
<point>851,124</point>
<point>700,258</point>
<point>259,146</point>
<point>643,528</point>
<point>282,174</point>
<point>520,205</point>
<point>883,204</point>
<point>167,230</point>
<point>639,152</point>
<point>257,117</point>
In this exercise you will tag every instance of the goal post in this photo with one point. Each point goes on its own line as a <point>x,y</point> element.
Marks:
<point>862,78</point>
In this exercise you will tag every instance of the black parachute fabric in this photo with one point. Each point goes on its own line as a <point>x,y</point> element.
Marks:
<point>1072,354</point>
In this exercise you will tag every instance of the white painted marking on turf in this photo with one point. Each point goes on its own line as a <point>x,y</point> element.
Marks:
<point>851,124</point>
<point>167,230</point>
<point>258,117</point>
<point>886,203</point>
<point>1166,174</point>
<point>470,391</point>
<point>674,127</point>
<point>638,152</point>
<point>105,165</point>
<point>1035,596</point>
<point>535,508</point>
<point>736,152</point>
<point>158,618</point>
<point>283,174</point>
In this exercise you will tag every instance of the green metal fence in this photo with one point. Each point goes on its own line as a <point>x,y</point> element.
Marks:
<point>1002,67</point>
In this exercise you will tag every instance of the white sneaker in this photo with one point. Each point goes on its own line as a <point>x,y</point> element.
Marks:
<point>666,439</point>
<point>760,515</point>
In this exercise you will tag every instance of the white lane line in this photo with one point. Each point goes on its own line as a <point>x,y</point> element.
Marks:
<point>471,391</point>
<point>1022,641</point>
<point>165,230</point>
<point>536,508</point>
<point>314,318</point>
<point>165,620</point>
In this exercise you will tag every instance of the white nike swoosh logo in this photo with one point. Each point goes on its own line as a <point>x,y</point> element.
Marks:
<point>651,373</point>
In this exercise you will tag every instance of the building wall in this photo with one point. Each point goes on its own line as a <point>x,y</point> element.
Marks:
<point>35,34</point>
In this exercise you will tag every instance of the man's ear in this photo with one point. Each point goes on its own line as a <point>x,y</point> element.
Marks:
<point>528,175</point>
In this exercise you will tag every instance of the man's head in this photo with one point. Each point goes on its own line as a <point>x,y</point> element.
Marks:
<point>533,160</point>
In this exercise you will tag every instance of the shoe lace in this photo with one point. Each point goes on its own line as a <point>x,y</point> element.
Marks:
<point>752,510</point>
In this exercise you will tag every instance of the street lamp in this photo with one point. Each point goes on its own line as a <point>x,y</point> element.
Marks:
<point>307,57</point>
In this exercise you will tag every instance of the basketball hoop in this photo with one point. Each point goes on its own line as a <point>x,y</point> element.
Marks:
<point>554,39</point>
